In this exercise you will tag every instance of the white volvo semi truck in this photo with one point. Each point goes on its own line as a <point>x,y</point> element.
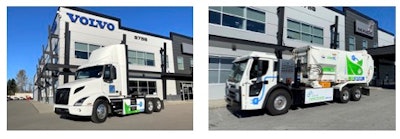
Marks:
<point>102,87</point>
<point>314,74</point>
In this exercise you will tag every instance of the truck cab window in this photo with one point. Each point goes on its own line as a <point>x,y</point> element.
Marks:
<point>254,68</point>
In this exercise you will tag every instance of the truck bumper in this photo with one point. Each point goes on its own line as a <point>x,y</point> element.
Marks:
<point>73,110</point>
<point>233,98</point>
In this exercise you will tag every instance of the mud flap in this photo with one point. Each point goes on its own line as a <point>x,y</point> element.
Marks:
<point>365,91</point>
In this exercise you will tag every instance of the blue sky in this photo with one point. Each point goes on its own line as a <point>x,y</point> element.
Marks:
<point>386,16</point>
<point>27,29</point>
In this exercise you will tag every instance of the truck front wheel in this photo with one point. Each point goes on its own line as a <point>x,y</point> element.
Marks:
<point>278,102</point>
<point>100,111</point>
<point>355,93</point>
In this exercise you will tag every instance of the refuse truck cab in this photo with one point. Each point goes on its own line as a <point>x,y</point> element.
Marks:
<point>313,74</point>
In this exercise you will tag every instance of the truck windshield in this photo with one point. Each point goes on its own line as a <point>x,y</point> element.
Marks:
<point>89,72</point>
<point>237,71</point>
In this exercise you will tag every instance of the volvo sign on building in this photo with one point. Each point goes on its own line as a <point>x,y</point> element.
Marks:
<point>365,28</point>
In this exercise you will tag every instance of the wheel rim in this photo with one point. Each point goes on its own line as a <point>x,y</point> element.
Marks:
<point>357,93</point>
<point>101,111</point>
<point>280,102</point>
<point>150,106</point>
<point>345,95</point>
<point>158,105</point>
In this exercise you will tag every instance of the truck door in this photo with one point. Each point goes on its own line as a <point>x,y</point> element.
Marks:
<point>261,79</point>
<point>110,85</point>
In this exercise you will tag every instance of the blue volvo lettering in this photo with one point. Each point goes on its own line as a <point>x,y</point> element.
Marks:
<point>91,22</point>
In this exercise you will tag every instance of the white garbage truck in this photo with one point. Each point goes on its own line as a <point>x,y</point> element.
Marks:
<point>103,87</point>
<point>312,75</point>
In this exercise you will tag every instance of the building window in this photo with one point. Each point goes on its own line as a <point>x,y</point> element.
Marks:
<point>219,69</point>
<point>143,87</point>
<point>140,58</point>
<point>181,66</point>
<point>364,44</point>
<point>304,32</point>
<point>352,43</point>
<point>375,45</point>
<point>238,17</point>
<point>83,50</point>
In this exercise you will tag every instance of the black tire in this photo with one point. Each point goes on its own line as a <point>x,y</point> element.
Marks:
<point>148,106</point>
<point>278,102</point>
<point>100,111</point>
<point>344,95</point>
<point>355,93</point>
<point>157,105</point>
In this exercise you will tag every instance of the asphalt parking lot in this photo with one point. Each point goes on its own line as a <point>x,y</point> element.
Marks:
<point>374,112</point>
<point>32,115</point>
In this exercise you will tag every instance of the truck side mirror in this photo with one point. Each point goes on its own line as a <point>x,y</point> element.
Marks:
<point>113,73</point>
<point>107,74</point>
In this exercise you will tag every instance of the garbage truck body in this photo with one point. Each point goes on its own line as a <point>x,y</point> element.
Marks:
<point>313,74</point>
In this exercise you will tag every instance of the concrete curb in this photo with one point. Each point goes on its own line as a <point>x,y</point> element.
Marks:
<point>171,102</point>
<point>42,107</point>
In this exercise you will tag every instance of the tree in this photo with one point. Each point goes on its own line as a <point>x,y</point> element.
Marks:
<point>11,87</point>
<point>22,80</point>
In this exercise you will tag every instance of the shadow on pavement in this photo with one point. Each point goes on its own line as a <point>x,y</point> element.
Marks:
<point>244,114</point>
<point>75,118</point>
<point>250,113</point>
<point>312,105</point>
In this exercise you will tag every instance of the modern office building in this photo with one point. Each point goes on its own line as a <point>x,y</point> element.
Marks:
<point>76,32</point>
<point>237,31</point>
<point>183,61</point>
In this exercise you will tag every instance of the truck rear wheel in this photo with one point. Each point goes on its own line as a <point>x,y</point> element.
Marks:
<point>278,102</point>
<point>344,95</point>
<point>157,105</point>
<point>355,93</point>
<point>149,106</point>
<point>100,111</point>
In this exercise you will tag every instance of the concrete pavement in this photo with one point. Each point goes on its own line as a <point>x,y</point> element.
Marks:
<point>219,103</point>
<point>43,107</point>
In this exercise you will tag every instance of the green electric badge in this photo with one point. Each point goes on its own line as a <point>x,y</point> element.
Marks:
<point>354,68</point>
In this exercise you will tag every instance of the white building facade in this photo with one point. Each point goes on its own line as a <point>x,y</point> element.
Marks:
<point>77,32</point>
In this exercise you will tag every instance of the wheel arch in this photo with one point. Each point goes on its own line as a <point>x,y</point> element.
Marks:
<point>276,87</point>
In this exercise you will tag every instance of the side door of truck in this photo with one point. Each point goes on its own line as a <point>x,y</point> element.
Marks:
<point>261,80</point>
<point>111,85</point>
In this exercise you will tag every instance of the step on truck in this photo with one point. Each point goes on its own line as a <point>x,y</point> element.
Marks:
<point>313,74</point>
<point>102,87</point>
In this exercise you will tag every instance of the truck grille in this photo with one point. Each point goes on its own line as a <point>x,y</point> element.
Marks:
<point>62,96</point>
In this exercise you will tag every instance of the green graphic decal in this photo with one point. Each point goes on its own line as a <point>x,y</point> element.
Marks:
<point>354,68</point>
<point>328,69</point>
<point>128,109</point>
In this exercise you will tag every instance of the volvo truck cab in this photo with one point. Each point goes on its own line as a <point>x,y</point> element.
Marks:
<point>102,88</point>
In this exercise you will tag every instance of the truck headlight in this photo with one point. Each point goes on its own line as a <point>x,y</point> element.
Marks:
<point>78,89</point>
<point>80,102</point>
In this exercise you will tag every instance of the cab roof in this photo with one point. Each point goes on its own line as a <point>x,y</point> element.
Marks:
<point>256,54</point>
